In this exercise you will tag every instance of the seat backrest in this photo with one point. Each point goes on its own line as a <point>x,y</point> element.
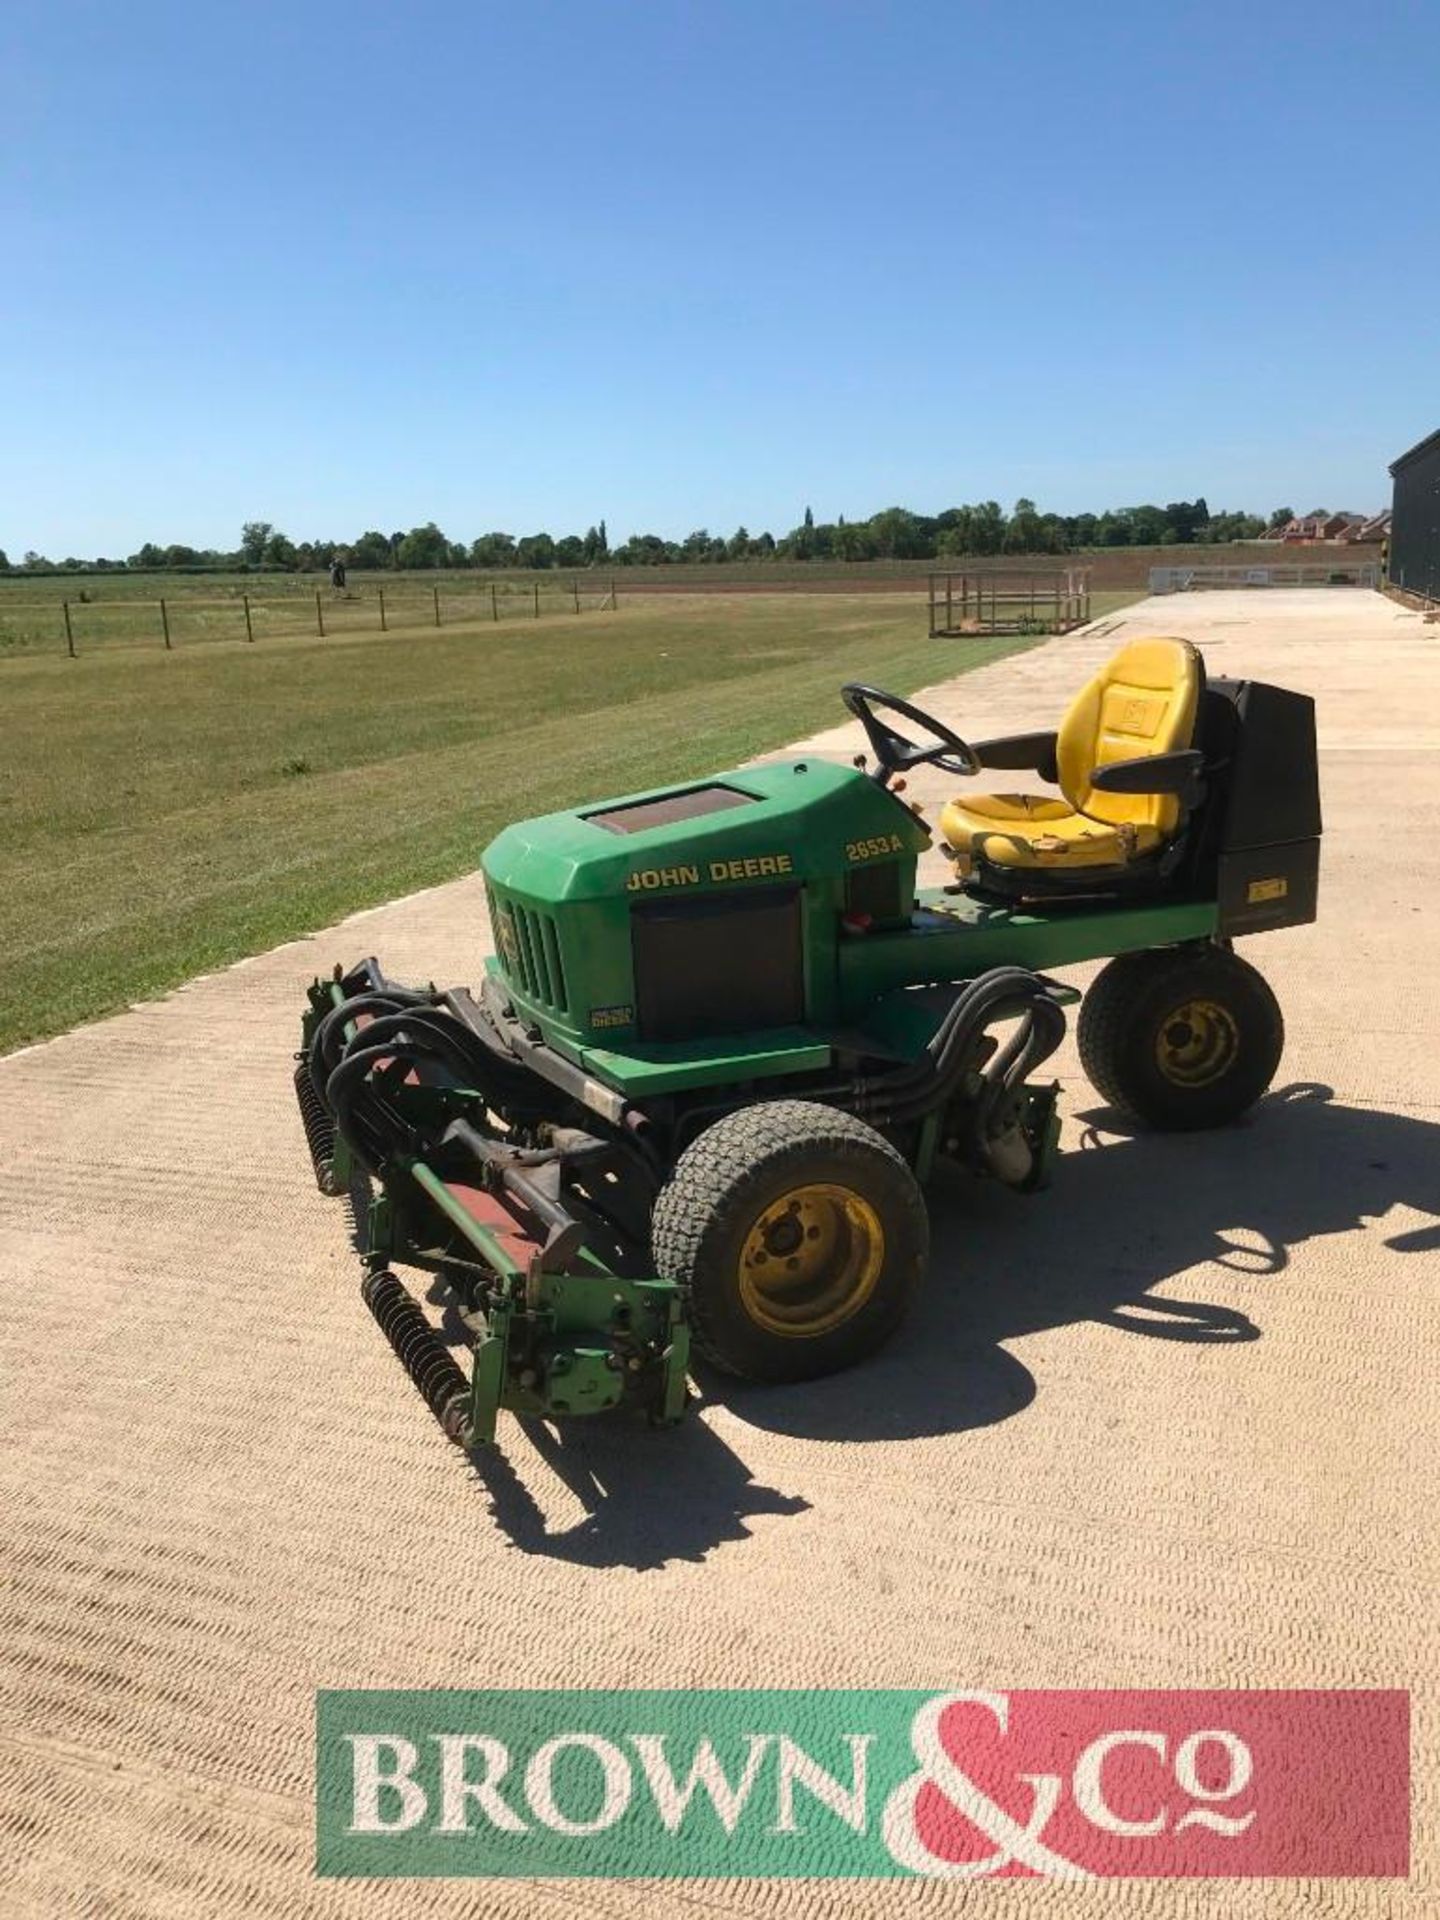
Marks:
<point>1143,700</point>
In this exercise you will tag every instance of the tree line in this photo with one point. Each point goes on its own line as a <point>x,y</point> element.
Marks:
<point>893,534</point>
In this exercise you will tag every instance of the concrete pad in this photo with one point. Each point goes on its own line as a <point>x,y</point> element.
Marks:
<point>1170,1424</point>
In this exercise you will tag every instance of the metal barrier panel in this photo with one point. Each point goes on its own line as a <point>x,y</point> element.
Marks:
<point>1337,573</point>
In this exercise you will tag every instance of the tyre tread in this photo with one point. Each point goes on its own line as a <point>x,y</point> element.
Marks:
<point>709,1183</point>
<point>1109,1009</point>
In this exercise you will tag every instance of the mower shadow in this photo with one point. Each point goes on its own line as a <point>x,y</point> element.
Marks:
<point>709,1493</point>
<point>1124,1214</point>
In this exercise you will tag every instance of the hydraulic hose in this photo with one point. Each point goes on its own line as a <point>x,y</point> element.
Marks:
<point>910,1092</point>
<point>375,1132</point>
<point>916,1089</point>
<point>1033,1047</point>
<point>329,1041</point>
<point>409,1029</point>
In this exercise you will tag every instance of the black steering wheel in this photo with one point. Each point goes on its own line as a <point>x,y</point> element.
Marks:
<point>896,752</point>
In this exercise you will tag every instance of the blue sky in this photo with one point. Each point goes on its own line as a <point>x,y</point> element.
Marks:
<point>682,265</point>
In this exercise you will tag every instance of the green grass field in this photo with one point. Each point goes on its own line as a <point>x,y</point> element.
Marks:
<point>165,813</point>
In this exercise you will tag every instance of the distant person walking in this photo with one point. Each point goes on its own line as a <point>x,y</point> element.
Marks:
<point>337,572</point>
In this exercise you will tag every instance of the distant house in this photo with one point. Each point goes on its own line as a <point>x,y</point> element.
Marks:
<point>1368,528</point>
<point>1310,528</point>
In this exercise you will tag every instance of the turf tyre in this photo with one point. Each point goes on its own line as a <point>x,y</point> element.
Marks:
<point>728,1177</point>
<point>1141,997</point>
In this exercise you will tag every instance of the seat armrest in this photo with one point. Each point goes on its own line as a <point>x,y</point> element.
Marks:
<point>1019,753</point>
<point>1177,773</point>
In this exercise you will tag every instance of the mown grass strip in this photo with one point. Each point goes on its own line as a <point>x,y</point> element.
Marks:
<point>161,815</point>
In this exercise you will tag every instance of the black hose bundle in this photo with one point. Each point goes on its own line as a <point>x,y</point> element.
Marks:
<point>407,1030</point>
<point>909,1093</point>
<point>329,1042</point>
<point>352,1065</point>
<point>930,1085</point>
<point>914,1091</point>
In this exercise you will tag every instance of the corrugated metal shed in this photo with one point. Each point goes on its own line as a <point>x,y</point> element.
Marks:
<point>1415,525</point>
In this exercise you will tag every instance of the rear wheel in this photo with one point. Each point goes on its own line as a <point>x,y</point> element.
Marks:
<point>1182,1037</point>
<point>799,1235</point>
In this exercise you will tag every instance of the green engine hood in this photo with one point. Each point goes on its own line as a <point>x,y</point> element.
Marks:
<point>564,888</point>
<point>796,820</point>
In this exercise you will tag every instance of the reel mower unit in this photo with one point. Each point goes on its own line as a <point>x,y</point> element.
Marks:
<point>724,1042</point>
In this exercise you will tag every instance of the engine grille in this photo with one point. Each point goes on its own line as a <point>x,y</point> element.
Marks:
<point>530,953</point>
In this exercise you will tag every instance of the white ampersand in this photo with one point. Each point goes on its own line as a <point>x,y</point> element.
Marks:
<point>1012,1840</point>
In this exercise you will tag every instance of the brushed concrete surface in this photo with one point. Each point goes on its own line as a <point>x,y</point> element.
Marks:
<point>1172,1423</point>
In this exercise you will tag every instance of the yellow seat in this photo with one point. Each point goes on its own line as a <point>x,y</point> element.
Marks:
<point>1143,701</point>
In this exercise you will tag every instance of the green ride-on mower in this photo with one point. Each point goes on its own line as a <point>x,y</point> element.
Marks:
<point>724,1042</point>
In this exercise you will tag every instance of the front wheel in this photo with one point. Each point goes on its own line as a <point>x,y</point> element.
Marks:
<point>1181,1037</point>
<point>799,1235</point>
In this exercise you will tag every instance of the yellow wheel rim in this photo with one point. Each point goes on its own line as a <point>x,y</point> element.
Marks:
<point>811,1260</point>
<point>1197,1044</point>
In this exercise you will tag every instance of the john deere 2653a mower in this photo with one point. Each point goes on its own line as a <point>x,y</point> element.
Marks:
<point>724,1042</point>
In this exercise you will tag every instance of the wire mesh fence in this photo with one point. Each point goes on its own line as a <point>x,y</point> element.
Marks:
<point>72,623</point>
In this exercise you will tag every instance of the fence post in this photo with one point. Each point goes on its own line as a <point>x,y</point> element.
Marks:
<point>494,602</point>
<point>319,615</point>
<point>435,593</point>
<point>69,631</point>
<point>383,627</point>
<point>614,598</point>
<point>165,624</point>
<point>249,630</point>
<point>575,589</point>
<point>537,599</point>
